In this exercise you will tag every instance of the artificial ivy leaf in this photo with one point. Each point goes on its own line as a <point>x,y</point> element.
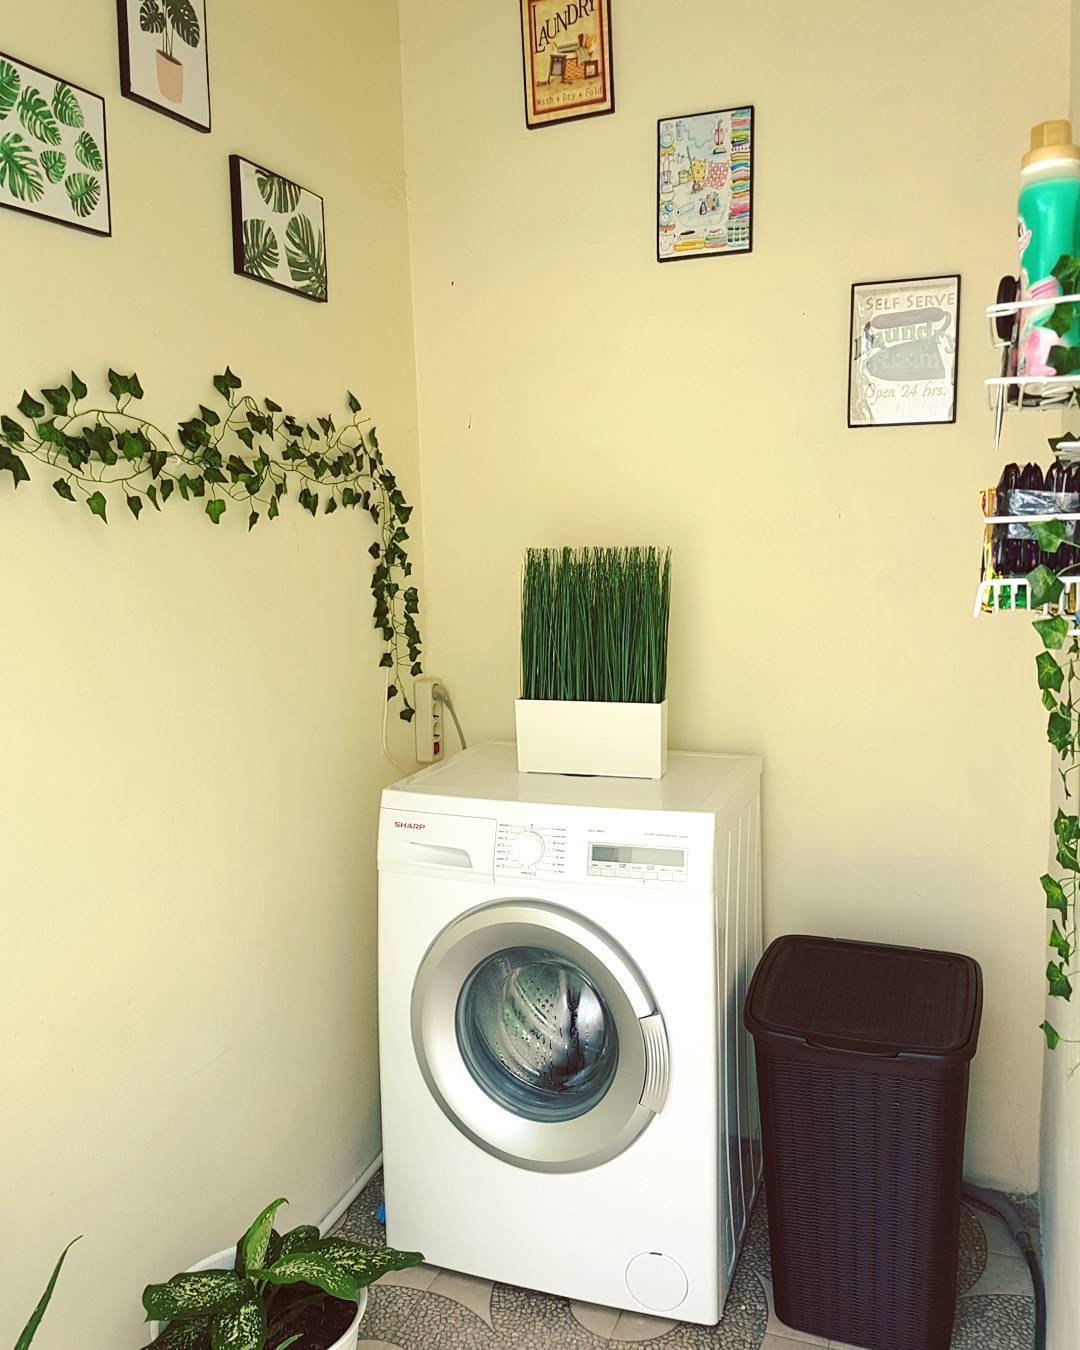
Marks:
<point>1049,702</point>
<point>331,507</point>
<point>1052,631</point>
<point>1055,895</point>
<point>246,435</point>
<point>1064,360</point>
<point>96,503</point>
<point>215,509</point>
<point>134,506</point>
<point>353,402</point>
<point>1067,271</point>
<point>272,511</point>
<point>151,492</point>
<point>1066,827</point>
<point>386,660</point>
<point>1050,534</point>
<point>62,488</point>
<point>12,432</point>
<point>375,551</point>
<point>1059,983</point>
<point>1061,319</point>
<point>124,385</point>
<point>416,668</point>
<point>271,406</point>
<point>78,388</point>
<point>209,416</point>
<point>1059,942</point>
<point>30,407</point>
<point>1052,1038</point>
<point>407,714</point>
<point>1050,674</point>
<point>1059,732</point>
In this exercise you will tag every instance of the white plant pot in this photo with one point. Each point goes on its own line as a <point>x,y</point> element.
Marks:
<point>224,1261</point>
<point>609,740</point>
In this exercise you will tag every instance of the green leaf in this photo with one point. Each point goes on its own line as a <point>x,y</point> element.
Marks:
<point>13,465</point>
<point>134,505</point>
<point>1059,983</point>
<point>19,171</point>
<point>1050,674</point>
<point>278,193</point>
<point>9,87</point>
<point>78,388</point>
<point>1050,534</point>
<point>215,509</point>
<point>13,432</point>
<point>151,17</point>
<point>54,162</point>
<point>261,253</point>
<point>306,256</point>
<point>58,400</point>
<point>1059,942</point>
<point>1064,360</point>
<point>84,193</point>
<point>273,511</point>
<point>386,661</point>
<point>256,1241</point>
<point>1059,732</point>
<point>30,407</point>
<point>124,385</point>
<point>190,1335</point>
<point>62,488</point>
<point>87,152</point>
<point>1061,319</point>
<point>36,116</point>
<point>1052,1038</point>
<point>151,492</point>
<point>1055,895</point>
<point>31,1327</point>
<point>96,503</point>
<point>253,520</point>
<point>353,402</point>
<point>1052,631</point>
<point>407,714</point>
<point>184,20</point>
<point>243,1328</point>
<point>1046,588</point>
<point>196,1293</point>
<point>65,106</point>
<point>339,1267</point>
<point>304,1238</point>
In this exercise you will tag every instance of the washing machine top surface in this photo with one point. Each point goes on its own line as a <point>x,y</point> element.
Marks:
<point>489,773</point>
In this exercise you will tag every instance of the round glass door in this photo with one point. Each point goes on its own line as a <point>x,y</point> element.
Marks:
<point>536,1034</point>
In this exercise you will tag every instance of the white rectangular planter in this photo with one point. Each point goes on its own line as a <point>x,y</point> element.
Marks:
<point>610,740</point>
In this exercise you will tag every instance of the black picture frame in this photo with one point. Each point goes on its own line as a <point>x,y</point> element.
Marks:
<point>124,43</point>
<point>237,202</point>
<point>904,281</point>
<point>24,210</point>
<point>717,253</point>
<point>609,54</point>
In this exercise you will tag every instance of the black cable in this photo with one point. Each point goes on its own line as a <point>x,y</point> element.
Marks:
<point>996,1203</point>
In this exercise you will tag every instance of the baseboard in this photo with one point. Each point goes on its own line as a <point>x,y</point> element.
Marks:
<point>351,1194</point>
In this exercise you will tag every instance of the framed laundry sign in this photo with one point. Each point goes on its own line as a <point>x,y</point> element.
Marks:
<point>902,359</point>
<point>705,177</point>
<point>566,46</point>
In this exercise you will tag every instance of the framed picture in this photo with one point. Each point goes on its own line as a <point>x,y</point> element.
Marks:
<point>53,156</point>
<point>279,230</point>
<point>566,49</point>
<point>705,184</point>
<point>902,362</point>
<point>163,58</point>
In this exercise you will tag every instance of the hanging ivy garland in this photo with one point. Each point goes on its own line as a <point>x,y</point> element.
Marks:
<point>250,454</point>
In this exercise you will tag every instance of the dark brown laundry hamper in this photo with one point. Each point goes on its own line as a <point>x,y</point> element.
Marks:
<point>862,1056</point>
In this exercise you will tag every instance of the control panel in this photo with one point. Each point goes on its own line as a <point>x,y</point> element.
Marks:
<point>636,862</point>
<point>530,850</point>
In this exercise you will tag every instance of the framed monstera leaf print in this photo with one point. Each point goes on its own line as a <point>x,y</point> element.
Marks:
<point>163,58</point>
<point>53,159</point>
<point>279,230</point>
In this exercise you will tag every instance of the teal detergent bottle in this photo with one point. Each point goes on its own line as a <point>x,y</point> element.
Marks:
<point>1048,226</point>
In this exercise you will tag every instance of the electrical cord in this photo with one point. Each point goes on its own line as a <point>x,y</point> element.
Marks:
<point>1003,1207</point>
<point>441,696</point>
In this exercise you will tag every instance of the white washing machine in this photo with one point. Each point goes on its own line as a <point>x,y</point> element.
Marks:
<point>568,1097</point>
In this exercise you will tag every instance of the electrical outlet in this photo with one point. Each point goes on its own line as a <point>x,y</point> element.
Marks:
<point>428,720</point>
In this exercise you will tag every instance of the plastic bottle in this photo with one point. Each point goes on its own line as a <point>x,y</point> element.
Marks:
<point>1048,225</point>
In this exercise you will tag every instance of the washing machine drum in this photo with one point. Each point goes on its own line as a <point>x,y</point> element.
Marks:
<point>537,1036</point>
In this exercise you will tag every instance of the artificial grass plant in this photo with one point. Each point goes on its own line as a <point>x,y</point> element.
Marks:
<point>594,624</point>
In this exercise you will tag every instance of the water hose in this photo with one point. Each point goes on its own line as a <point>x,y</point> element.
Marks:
<point>1001,1206</point>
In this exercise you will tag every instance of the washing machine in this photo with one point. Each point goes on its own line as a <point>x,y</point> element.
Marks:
<point>568,1095</point>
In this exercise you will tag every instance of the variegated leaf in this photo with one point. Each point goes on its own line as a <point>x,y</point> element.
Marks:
<point>242,1329</point>
<point>256,1241</point>
<point>196,1293</point>
<point>305,1238</point>
<point>192,1335</point>
<point>338,1266</point>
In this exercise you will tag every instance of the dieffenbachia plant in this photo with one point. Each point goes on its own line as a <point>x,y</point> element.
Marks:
<point>30,1330</point>
<point>250,453</point>
<point>234,1309</point>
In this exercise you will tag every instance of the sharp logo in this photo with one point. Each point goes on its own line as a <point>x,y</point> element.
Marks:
<point>408,825</point>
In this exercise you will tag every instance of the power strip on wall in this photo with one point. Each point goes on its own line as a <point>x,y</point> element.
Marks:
<point>430,745</point>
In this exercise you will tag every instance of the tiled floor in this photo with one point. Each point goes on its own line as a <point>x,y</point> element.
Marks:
<point>429,1309</point>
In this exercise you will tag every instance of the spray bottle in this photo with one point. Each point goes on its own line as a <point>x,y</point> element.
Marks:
<point>1048,226</point>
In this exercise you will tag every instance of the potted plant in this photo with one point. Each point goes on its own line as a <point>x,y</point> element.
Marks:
<point>30,1330</point>
<point>271,1291</point>
<point>172,19</point>
<point>594,643</point>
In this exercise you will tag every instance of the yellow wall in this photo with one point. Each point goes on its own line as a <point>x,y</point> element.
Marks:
<point>573,391</point>
<point>191,760</point>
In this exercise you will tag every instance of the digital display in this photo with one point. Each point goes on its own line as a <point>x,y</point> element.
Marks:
<point>629,854</point>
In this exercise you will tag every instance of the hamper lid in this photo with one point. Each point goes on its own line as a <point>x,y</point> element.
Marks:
<point>867,998</point>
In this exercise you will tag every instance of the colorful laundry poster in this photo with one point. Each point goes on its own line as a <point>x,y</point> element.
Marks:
<point>904,336</point>
<point>567,52</point>
<point>705,173</point>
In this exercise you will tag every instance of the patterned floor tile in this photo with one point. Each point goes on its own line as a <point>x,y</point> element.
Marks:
<point>996,1322</point>
<point>467,1290</point>
<point>600,1321</point>
<point>1003,1275</point>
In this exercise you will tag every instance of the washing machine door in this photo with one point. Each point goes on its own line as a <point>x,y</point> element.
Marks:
<point>537,1037</point>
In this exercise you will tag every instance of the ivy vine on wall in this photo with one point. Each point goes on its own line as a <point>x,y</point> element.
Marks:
<point>249,453</point>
